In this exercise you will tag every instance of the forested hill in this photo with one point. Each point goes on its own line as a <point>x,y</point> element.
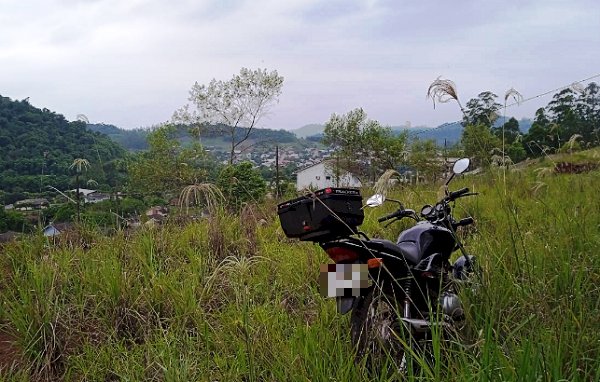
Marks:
<point>216,135</point>
<point>37,146</point>
<point>133,140</point>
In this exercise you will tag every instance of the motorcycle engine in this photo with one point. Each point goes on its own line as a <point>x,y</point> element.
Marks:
<point>451,306</point>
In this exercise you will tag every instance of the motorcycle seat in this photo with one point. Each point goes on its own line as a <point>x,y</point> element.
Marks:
<point>405,249</point>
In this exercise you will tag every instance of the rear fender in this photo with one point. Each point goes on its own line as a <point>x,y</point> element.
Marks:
<point>345,304</point>
<point>364,253</point>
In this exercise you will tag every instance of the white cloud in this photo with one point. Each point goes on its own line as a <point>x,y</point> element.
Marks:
<point>132,63</point>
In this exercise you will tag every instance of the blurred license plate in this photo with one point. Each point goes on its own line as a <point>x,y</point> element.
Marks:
<point>343,280</point>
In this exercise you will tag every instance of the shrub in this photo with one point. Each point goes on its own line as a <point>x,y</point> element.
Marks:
<point>240,183</point>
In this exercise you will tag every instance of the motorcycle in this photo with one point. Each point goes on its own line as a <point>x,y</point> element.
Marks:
<point>401,294</point>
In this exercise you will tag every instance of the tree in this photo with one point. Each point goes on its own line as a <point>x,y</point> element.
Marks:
<point>588,107</point>
<point>512,146</point>
<point>482,110</point>
<point>79,164</point>
<point>42,144</point>
<point>423,157</point>
<point>386,150</point>
<point>166,166</point>
<point>563,113</point>
<point>236,105</point>
<point>13,221</point>
<point>516,152</point>
<point>240,184</point>
<point>537,139</point>
<point>479,142</point>
<point>511,131</point>
<point>363,147</point>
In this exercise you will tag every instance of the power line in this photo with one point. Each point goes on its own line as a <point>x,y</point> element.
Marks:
<point>416,133</point>
<point>553,90</point>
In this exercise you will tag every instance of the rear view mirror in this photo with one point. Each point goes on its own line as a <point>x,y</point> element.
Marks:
<point>461,165</point>
<point>375,200</point>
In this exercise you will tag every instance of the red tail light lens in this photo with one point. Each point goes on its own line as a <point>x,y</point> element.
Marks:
<point>339,254</point>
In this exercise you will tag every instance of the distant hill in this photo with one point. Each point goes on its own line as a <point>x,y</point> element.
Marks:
<point>132,140</point>
<point>213,135</point>
<point>309,130</point>
<point>448,132</point>
<point>37,146</point>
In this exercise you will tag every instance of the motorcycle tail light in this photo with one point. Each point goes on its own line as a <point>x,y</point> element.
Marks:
<point>339,254</point>
<point>427,275</point>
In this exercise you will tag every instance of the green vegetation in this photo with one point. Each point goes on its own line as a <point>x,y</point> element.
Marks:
<point>167,167</point>
<point>229,299</point>
<point>13,221</point>
<point>38,146</point>
<point>234,105</point>
<point>210,135</point>
<point>132,140</point>
<point>363,147</point>
<point>241,184</point>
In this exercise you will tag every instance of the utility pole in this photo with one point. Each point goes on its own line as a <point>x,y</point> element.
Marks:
<point>277,171</point>
<point>446,169</point>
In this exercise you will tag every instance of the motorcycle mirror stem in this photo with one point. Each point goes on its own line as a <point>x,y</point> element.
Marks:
<point>396,201</point>
<point>448,181</point>
<point>459,167</point>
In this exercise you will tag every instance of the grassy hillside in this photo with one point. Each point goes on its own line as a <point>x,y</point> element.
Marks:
<point>229,299</point>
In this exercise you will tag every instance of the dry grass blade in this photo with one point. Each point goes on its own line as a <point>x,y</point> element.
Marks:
<point>248,220</point>
<point>514,94</point>
<point>573,141</point>
<point>577,87</point>
<point>543,171</point>
<point>196,194</point>
<point>384,183</point>
<point>538,186</point>
<point>443,91</point>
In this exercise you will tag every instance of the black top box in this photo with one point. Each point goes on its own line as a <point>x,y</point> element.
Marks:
<point>323,215</point>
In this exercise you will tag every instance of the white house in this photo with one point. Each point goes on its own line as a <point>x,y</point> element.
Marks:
<point>55,229</point>
<point>322,175</point>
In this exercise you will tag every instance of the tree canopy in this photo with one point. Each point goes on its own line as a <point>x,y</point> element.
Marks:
<point>37,146</point>
<point>238,103</point>
<point>363,146</point>
<point>167,167</point>
<point>240,184</point>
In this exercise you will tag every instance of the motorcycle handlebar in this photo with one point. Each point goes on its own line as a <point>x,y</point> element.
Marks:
<point>457,194</point>
<point>390,216</point>
<point>465,221</point>
<point>402,213</point>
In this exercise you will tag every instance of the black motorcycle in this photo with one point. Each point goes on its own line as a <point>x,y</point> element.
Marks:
<point>400,294</point>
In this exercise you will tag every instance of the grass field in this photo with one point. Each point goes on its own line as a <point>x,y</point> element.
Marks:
<point>229,299</point>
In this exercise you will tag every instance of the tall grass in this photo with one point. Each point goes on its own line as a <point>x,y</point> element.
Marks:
<point>226,300</point>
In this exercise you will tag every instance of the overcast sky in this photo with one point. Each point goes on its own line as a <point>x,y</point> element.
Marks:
<point>131,63</point>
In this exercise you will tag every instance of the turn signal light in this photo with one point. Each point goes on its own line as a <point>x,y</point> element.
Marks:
<point>339,254</point>
<point>375,262</point>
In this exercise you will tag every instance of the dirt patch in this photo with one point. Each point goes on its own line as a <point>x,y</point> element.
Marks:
<point>574,168</point>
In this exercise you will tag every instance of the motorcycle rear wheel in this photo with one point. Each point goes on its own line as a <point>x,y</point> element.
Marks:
<point>377,332</point>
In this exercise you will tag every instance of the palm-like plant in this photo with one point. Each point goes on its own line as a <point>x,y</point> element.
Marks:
<point>195,194</point>
<point>79,164</point>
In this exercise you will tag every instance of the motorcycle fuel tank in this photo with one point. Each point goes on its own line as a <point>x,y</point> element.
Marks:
<point>429,238</point>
